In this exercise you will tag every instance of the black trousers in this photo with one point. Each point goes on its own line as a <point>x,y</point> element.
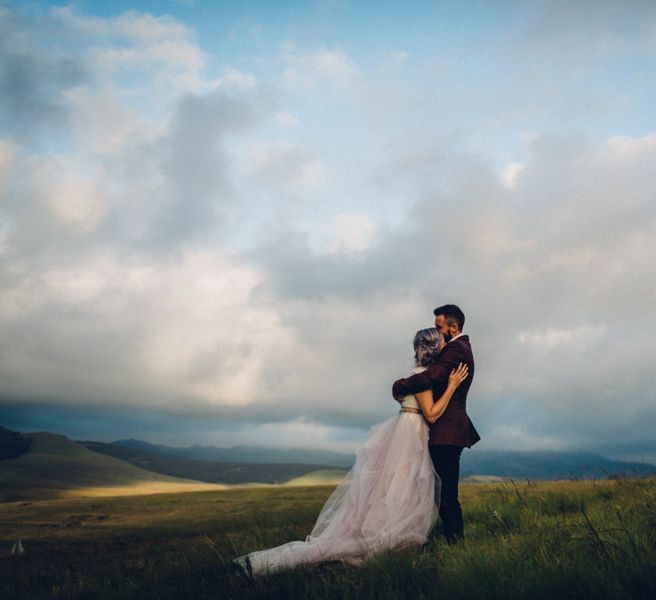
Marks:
<point>446,460</point>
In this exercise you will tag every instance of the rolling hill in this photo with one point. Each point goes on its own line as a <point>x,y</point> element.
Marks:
<point>322,477</point>
<point>144,456</point>
<point>53,466</point>
<point>245,454</point>
<point>475,463</point>
<point>47,465</point>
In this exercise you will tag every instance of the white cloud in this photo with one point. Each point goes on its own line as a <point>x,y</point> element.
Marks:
<point>294,434</point>
<point>511,173</point>
<point>317,68</point>
<point>207,337</point>
<point>624,147</point>
<point>77,203</point>
<point>553,337</point>
<point>237,80</point>
<point>350,234</point>
<point>171,237</point>
<point>512,438</point>
<point>103,123</point>
<point>146,48</point>
<point>185,328</point>
<point>152,40</point>
<point>285,120</point>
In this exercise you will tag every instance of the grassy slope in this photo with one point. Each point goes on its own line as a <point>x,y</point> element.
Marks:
<point>54,463</point>
<point>539,541</point>
<point>205,470</point>
<point>319,477</point>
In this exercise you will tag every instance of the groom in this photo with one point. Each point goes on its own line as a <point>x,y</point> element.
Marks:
<point>453,431</point>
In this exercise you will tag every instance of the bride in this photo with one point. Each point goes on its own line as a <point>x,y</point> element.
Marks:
<point>386,501</point>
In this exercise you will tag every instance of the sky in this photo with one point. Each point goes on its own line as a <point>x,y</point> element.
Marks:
<point>221,223</point>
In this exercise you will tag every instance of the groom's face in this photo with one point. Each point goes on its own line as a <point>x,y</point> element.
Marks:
<point>443,327</point>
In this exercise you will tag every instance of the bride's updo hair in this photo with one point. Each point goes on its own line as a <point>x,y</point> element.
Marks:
<point>428,344</point>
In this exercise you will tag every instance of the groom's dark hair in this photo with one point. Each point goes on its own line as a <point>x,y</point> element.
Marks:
<point>452,314</point>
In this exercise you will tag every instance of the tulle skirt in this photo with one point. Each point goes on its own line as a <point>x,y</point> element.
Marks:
<point>385,502</point>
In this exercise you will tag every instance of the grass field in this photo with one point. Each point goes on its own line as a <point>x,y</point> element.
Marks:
<point>580,539</point>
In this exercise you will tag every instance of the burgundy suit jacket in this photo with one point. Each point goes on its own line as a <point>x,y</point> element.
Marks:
<point>454,427</point>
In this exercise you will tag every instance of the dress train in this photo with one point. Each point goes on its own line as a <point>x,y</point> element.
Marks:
<point>385,502</point>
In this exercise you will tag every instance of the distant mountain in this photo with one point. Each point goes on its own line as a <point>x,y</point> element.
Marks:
<point>154,458</point>
<point>548,465</point>
<point>475,463</point>
<point>45,465</point>
<point>53,464</point>
<point>246,454</point>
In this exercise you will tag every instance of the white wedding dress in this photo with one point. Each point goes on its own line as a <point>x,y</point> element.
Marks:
<point>386,501</point>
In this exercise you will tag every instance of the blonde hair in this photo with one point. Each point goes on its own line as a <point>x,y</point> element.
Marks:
<point>428,344</point>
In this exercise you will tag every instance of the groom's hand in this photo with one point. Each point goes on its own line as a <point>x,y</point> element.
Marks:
<point>397,390</point>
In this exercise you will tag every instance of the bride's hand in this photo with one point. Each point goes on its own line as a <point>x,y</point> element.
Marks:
<point>458,375</point>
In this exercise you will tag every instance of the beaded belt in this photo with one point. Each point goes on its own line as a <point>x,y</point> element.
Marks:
<point>409,409</point>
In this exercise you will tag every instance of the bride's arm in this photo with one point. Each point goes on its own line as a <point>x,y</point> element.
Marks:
<point>433,411</point>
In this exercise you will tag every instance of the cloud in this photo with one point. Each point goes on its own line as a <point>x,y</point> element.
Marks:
<point>33,82</point>
<point>547,340</point>
<point>285,120</point>
<point>214,248</point>
<point>307,69</point>
<point>286,166</point>
<point>351,234</point>
<point>105,327</point>
<point>76,203</point>
<point>237,80</point>
<point>196,189</point>
<point>544,272</point>
<point>511,173</point>
<point>145,41</point>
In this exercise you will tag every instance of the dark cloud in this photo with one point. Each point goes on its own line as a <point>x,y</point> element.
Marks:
<point>296,270</point>
<point>199,193</point>
<point>176,188</point>
<point>34,81</point>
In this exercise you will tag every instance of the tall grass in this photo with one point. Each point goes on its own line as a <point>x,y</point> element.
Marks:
<point>524,540</point>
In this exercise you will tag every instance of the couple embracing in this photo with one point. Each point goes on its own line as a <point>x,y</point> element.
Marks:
<point>407,468</point>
